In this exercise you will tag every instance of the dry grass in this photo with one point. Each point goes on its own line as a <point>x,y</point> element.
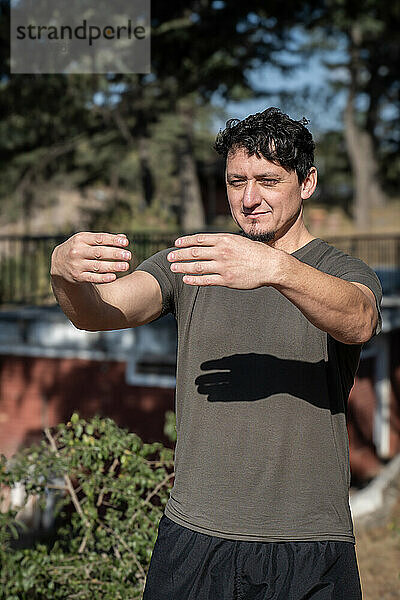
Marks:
<point>378,555</point>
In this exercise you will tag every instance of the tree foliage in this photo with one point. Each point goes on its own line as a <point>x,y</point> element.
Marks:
<point>366,69</point>
<point>88,129</point>
<point>111,491</point>
<point>101,129</point>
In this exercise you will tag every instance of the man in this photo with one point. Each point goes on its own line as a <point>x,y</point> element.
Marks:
<point>270,328</point>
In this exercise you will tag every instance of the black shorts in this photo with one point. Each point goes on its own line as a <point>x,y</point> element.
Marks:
<point>187,565</point>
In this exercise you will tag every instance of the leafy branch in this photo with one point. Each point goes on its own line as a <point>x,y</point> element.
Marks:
<point>105,516</point>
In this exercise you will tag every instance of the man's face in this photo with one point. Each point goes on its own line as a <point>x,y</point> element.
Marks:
<point>265,199</point>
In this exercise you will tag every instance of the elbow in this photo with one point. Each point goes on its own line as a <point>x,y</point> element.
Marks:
<point>361,330</point>
<point>371,323</point>
<point>363,339</point>
<point>84,327</point>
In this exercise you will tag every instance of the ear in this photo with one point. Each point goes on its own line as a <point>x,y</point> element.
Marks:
<point>309,184</point>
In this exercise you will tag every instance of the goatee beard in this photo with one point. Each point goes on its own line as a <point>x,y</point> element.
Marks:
<point>267,236</point>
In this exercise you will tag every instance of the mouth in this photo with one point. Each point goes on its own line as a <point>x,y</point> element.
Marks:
<point>258,214</point>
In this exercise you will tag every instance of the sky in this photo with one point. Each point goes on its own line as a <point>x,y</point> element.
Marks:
<point>311,108</point>
<point>323,111</point>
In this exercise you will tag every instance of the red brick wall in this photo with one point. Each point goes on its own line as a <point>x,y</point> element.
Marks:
<point>40,392</point>
<point>364,461</point>
<point>37,392</point>
<point>395,395</point>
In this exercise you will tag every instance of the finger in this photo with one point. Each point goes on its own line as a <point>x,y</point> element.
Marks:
<point>214,378</point>
<point>216,363</point>
<point>105,239</point>
<point>218,387</point>
<point>190,253</point>
<point>199,268</point>
<point>98,277</point>
<point>203,280</point>
<point>107,253</point>
<point>104,266</point>
<point>202,239</point>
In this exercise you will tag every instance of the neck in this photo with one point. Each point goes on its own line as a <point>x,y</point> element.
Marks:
<point>293,237</point>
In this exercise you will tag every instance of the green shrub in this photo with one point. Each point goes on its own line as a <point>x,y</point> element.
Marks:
<point>113,492</point>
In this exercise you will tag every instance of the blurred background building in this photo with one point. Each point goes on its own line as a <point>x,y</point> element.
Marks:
<point>133,154</point>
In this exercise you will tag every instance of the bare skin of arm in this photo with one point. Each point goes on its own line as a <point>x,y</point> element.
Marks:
<point>84,282</point>
<point>346,310</point>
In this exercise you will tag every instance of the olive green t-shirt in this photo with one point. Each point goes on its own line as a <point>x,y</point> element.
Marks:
<point>261,397</point>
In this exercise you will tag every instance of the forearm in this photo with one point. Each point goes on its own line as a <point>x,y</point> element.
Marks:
<point>333,305</point>
<point>80,302</point>
<point>83,303</point>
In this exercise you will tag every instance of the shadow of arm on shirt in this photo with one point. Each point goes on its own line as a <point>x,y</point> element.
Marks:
<point>249,377</point>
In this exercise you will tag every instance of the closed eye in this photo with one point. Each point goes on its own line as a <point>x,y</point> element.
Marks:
<point>236,182</point>
<point>269,181</point>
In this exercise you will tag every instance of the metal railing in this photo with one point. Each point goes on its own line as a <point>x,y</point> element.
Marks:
<point>25,261</point>
<point>380,252</point>
<point>25,264</point>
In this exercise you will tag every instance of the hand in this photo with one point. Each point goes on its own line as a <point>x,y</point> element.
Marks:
<point>225,259</point>
<point>91,257</point>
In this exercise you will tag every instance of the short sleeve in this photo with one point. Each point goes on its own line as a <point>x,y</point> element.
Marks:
<point>158,266</point>
<point>353,269</point>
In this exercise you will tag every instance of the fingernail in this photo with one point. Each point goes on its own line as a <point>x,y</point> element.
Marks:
<point>126,254</point>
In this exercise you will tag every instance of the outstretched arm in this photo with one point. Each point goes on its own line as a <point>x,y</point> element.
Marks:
<point>84,281</point>
<point>345,310</point>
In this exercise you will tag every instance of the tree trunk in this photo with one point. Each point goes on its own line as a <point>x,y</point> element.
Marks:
<point>192,217</point>
<point>27,202</point>
<point>145,169</point>
<point>360,147</point>
<point>139,139</point>
<point>367,190</point>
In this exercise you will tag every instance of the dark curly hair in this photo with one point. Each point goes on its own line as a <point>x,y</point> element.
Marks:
<point>275,136</point>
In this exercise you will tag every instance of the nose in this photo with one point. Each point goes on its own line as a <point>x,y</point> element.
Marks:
<point>251,195</point>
